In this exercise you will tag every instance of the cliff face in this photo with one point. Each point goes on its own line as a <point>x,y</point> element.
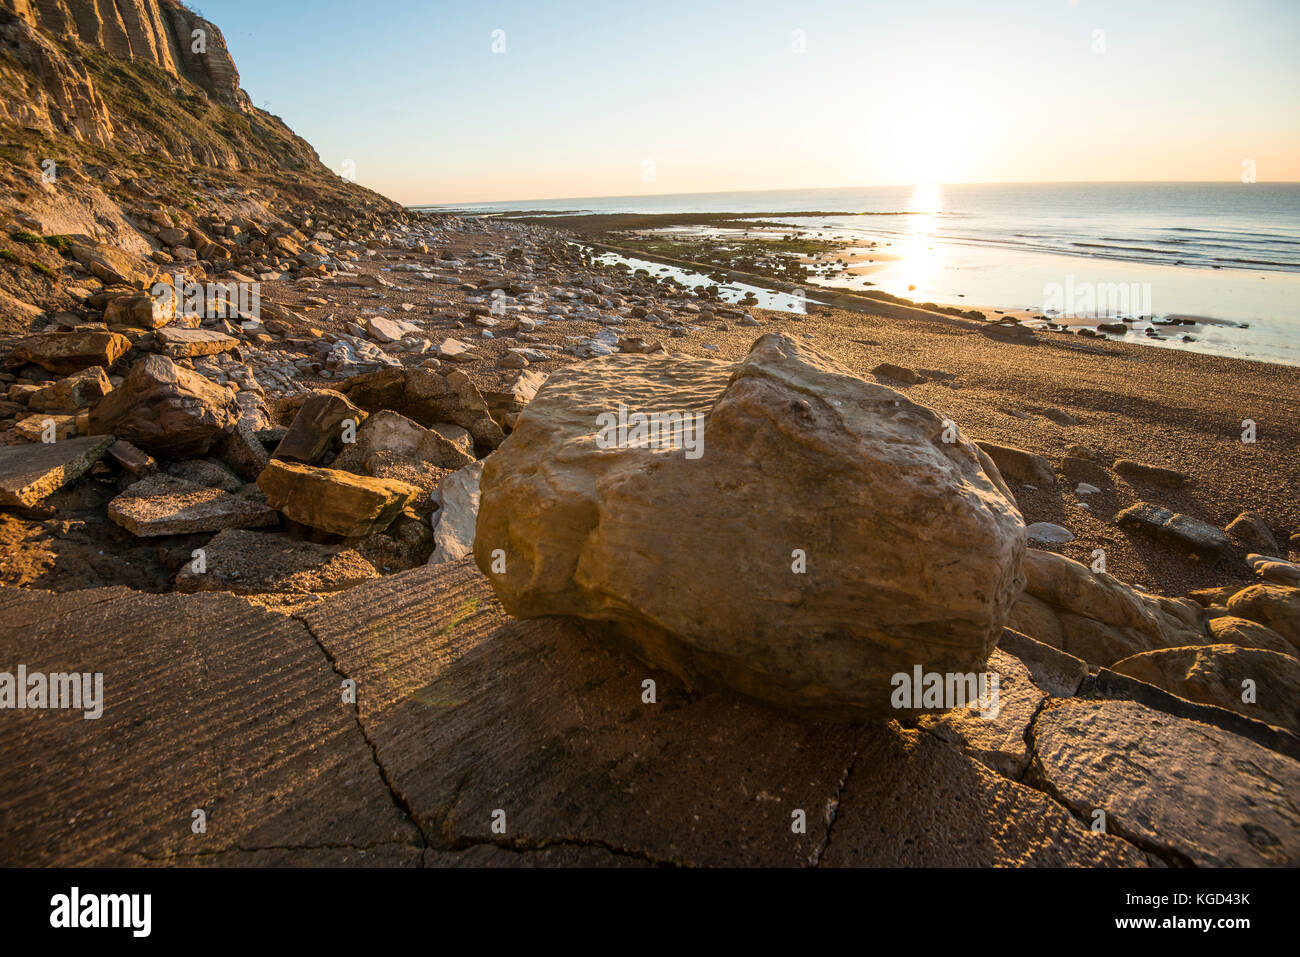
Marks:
<point>160,32</point>
<point>137,77</point>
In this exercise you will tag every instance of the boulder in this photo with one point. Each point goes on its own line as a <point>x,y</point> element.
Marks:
<point>427,396</point>
<point>1252,530</point>
<point>1096,617</point>
<point>72,392</point>
<point>113,265</point>
<point>182,343</point>
<point>141,310</point>
<point>1218,675</point>
<point>30,473</point>
<point>820,540</point>
<point>318,427</point>
<point>391,432</point>
<point>1018,465</point>
<point>165,409</point>
<point>1276,606</point>
<point>333,500</point>
<point>64,353</point>
<point>165,505</point>
<point>1231,630</point>
<point>1151,474</point>
<point>1182,531</point>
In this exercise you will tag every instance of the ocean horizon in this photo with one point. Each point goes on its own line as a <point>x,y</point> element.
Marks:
<point>1224,254</point>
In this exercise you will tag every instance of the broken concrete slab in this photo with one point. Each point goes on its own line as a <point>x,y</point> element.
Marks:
<point>163,505</point>
<point>30,473</point>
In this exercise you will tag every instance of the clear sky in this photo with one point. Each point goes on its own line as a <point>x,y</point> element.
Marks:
<point>625,97</point>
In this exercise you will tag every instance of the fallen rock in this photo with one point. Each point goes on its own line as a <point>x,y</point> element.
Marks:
<point>506,403</point>
<point>64,353</point>
<point>825,600</point>
<point>165,409</point>
<point>318,427</point>
<point>1165,478</point>
<point>457,499</point>
<point>391,432</point>
<point>72,392</point>
<point>1251,530</point>
<point>254,563</point>
<point>140,310</point>
<point>887,370</point>
<point>427,397</point>
<point>164,505</point>
<point>1219,675</point>
<point>1096,617</point>
<point>1018,465</point>
<point>29,473</point>
<point>1231,630</point>
<point>1174,527</point>
<point>1047,533</point>
<point>1276,606</point>
<point>333,500</point>
<point>113,265</point>
<point>1279,571</point>
<point>181,343</point>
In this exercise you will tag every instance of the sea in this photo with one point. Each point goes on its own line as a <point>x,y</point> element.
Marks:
<point>1222,257</point>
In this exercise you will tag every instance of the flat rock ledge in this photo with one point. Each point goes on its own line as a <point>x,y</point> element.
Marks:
<point>465,717</point>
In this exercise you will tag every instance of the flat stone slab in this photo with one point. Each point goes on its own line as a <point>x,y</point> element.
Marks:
<point>181,343</point>
<point>1192,793</point>
<point>252,563</point>
<point>30,473</point>
<point>210,703</point>
<point>165,505</point>
<point>1174,527</point>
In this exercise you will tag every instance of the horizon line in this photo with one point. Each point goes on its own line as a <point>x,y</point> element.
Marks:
<point>810,189</point>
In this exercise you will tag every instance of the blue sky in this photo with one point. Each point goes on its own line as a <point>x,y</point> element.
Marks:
<point>621,98</point>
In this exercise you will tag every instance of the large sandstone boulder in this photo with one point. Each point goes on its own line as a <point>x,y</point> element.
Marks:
<point>165,409</point>
<point>824,539</point>
<point>1276,606</point>
<point>64,353</point>
<point>1096,617</point>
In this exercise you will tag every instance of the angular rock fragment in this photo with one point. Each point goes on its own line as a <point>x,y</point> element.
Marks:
<point>254,563</point>
<point>72,392</point>
<point>181,343</point>
<point>457,499</point>
<point>1181,530</point>
<point>165,409</point>
<point>1276,606</point>
<point>908,552</point>
<point>318,427</point>
<point>333,500</point>
<point>1166,478</point>
<point>427,396</point>
<point>391,432</point>
<point>29,473</point>
<point>1018,465</point>
<point>165,505</point>
<point>64,353</point>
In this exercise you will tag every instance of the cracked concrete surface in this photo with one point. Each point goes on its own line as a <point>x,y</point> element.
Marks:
<point>466,718</point>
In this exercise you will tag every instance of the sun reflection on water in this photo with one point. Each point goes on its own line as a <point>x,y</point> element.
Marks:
<point>920,257</point>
